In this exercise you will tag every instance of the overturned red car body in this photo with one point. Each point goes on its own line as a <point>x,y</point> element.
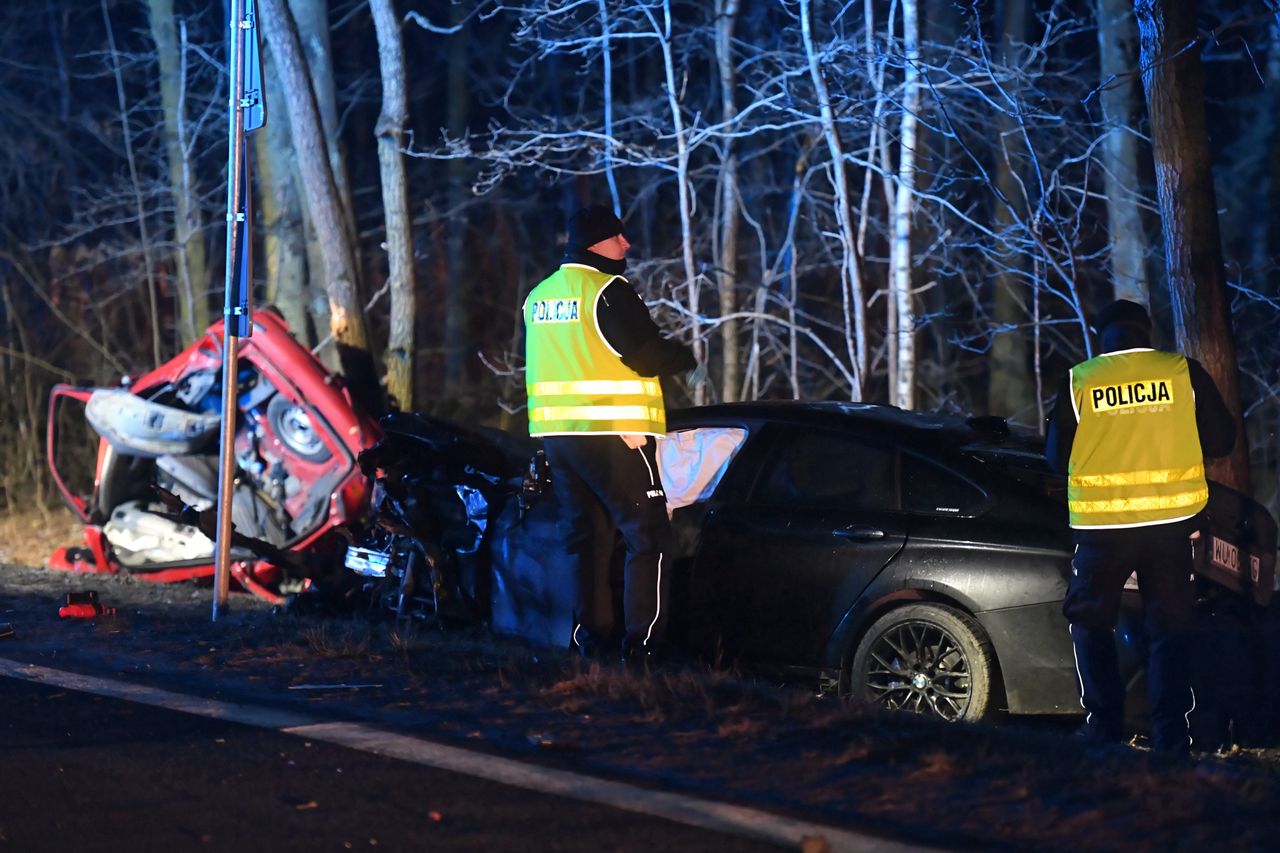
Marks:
<point>298,433</point>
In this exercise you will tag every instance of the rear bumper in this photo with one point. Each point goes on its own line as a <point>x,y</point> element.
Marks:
<point>1033,647</point>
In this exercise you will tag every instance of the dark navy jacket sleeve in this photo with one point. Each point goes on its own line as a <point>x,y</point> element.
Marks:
<point>1213,419</point>
<point>1061,430</point>
<point>627,326</point>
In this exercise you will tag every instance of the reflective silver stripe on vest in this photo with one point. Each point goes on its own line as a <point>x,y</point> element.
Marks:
<point>594,413</point>
<point>596,388</point>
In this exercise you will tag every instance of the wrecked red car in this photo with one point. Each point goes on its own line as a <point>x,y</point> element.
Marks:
<point>298,433</point>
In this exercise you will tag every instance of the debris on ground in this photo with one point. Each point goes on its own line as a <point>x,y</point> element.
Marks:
<point>84,605</point>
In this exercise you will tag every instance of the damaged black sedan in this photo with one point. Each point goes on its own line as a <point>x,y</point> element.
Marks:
<point>912,561</point>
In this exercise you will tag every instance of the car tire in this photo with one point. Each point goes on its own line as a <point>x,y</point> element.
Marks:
<point>294,425</point>
<point>927,659</point>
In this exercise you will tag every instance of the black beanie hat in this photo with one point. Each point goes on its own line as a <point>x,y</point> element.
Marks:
<point>1123,311</point>
<point>589,225</point>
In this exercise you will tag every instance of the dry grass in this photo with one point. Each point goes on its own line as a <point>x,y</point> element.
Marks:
<point>735,708</point>
<point>28,534</point>
<point>338,640</point>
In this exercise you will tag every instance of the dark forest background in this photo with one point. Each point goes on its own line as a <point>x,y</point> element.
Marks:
<point>996,184</point>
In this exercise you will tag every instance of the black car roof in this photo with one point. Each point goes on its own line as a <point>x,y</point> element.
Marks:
<point>984,432</point>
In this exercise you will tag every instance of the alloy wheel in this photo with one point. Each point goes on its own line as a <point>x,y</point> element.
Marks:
<point>919,667</point>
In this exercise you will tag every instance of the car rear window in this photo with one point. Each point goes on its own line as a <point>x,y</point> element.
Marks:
<point>1029,469</point>
<point>822,470</point>
<point>931,488</point>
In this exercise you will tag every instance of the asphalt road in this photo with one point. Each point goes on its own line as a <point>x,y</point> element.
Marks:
<point>88,773</point>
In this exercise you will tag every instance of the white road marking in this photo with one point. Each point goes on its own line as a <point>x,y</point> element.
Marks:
<point>691,811</point>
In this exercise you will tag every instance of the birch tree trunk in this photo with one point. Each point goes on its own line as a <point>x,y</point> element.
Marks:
<point>1009,389</point>
<point>851,280</point>
<point>672,85</point>
<point>280,214</point>
<point>880,178</point>
<point>727,274</point>
<point>346,314</point>
<point>606,68</point>
<point>189,248</point>
<point>395,201</point>
<point>1118,52</point>
<point>1174,83</point>
<point>902,394</point>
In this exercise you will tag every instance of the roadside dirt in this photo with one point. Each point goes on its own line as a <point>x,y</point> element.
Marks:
<point>688,728</point>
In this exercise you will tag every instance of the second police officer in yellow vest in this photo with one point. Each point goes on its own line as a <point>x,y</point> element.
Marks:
<point>1131,429</point>
<point>593,359</point>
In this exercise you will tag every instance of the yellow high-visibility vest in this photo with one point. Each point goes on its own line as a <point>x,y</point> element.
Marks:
<point>1136,458</point>
<point>577,383</point>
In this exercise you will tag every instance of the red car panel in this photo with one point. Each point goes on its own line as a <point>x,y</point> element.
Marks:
<point>297,438</point>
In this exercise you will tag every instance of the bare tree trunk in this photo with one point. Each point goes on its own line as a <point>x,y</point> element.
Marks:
<point>346,314</point>
<point>878,149</point>
<point>1009,385</point>
<point>793,365</point>
<point>1174,83</point>
<point>902,394</point>
<point>312,19</point>
<point>317,307</point>
<point>606,68</point>
<point>456,302</point>
<point>280,214</point>
<point>681,133</point>
<point>189,252</point>
<point>56,25</point>
<point>727,274</point>
<point>1266,222</point>
<point>781,273</point>
<point>395,201</point>
<point>851,280</point>
<point>143,232</point>
<point>1117,51</point>
<point>875,76</point>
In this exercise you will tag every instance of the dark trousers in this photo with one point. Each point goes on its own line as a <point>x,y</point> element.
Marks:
<point>1098,572</point>
<point>602,486</point>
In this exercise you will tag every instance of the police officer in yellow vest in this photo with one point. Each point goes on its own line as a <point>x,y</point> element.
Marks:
<point>593,358</point>
<point>1131,429</point>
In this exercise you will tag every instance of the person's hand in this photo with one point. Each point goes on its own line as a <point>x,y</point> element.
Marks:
<point>634,441</point>
<point>697,377</point>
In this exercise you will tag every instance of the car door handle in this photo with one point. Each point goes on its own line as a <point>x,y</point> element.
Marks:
<point>859,533</point>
